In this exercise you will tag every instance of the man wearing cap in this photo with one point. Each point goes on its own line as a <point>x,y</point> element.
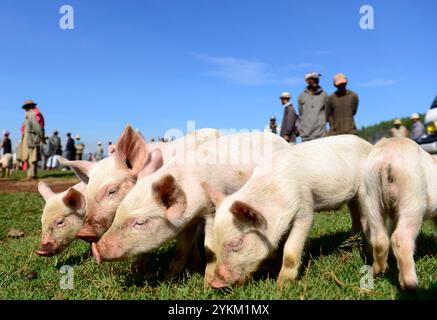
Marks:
<point>80,147</point>
<point>273,127</point>
<point>32,132</point>
<point>341,108</point>
<point>70,150</point>
<point>312,109</point>
<point>99,151</point>
<point>398,129</point>
<point>418,130</point>
<point>289,120</point>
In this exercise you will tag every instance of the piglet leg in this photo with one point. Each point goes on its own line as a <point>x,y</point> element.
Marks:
<point>294,246</point>
<point>403,242</point>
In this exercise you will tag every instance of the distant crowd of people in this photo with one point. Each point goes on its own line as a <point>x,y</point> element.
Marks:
<point>316,109</point>
<point>35,149</point>
<point>418,131</point>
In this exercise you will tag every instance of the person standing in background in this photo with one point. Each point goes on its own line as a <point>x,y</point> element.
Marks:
<point>312,109</point>
<point>45,153</point>
<point>6,160</point>
<point>55,150</point>
<point>341,108</point>
<point>80,147</point>
<point>398,129</point>
<point>273,127</point>
<point>289,120</point>
<point>70,150</point>
<point>418,130</point>
<point>32,132</point>
<point>6,143</point>
<point>111,148</point>
<point>99,151</point>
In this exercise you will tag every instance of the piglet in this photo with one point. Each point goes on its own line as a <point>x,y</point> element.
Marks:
<point>279,200</point>
<point>62,217</point>
<point>401,186</point>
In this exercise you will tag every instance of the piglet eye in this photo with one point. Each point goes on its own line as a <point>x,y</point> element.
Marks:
<point>140,223</point>
<point>60,222</point>
<point>112,191</point>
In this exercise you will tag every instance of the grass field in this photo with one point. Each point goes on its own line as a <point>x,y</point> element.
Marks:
<point>18,174</point>
<point>331,267</point>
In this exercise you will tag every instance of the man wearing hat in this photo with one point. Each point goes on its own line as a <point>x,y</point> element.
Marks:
<point>32,132</point>
<point>80,148</point>
<point>273,127</point>
<point>312,109</point>
<point>99,151</point>
<point>398,129</point>
<point>341,108</point>
<point>418,130</point>
<point>70,150</point>
<point>289,120</point>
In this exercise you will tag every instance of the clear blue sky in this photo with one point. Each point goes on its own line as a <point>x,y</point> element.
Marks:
<point>158,63</point>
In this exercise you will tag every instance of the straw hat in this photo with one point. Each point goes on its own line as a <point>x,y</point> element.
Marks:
<point>285,95</point>
<point>28,104</point>
<point>398,121</point>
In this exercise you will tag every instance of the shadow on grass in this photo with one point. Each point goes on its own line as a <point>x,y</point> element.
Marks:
<point>150,268</point>
<point>76,259</point>
<point>421,294</point>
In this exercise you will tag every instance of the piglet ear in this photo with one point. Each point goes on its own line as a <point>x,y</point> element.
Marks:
<point>45,191</point>
<point>81,187</point>
<point>216,196</point>
<point>170,195</point>
<point>247,215</point>
<point>81,168</point>
<point>154,162</point>
<point>131,150</point>
<point>74,199</point>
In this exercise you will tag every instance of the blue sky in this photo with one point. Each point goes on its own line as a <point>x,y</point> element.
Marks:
<point>158,63</point>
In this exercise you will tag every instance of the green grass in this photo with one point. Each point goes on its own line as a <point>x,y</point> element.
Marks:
<point>331,254</point>
<point>69,174</point>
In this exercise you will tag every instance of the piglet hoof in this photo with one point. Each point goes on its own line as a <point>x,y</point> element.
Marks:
<point>408,284</point>
<point>378,269</point>
<point>283,284</point>
<point>409,288</point>
<point>285,280</point>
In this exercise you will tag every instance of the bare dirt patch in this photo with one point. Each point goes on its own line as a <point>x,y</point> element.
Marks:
<point>56,184</point>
